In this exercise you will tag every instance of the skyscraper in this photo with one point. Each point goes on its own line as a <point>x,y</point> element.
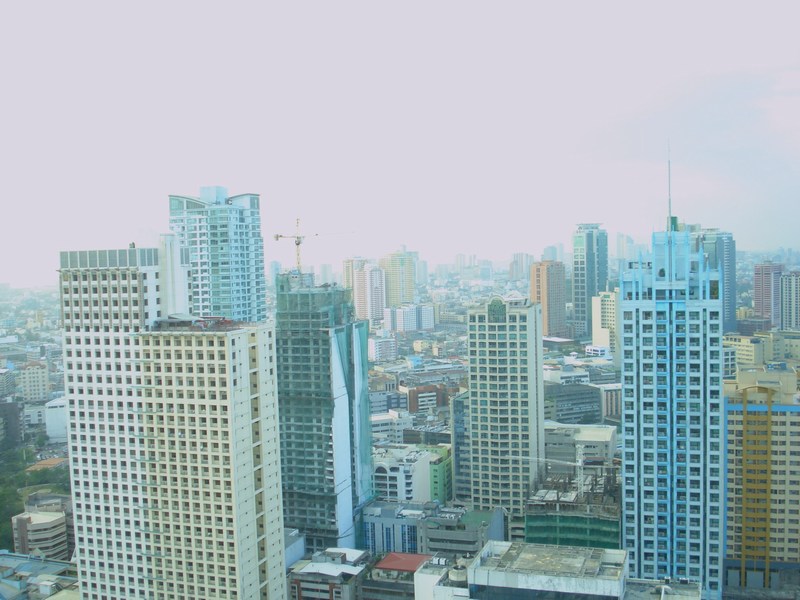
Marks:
<point>605,331</point>
<point>673,508</point>
<point>324,411</point>
<point>767,291</point>
<point>369,293</point>
<point>502,426</point>
<point>719,248</point>
<point>549,288</point>
<point>226,252</point>
<point>401,277</point>
<point>155,413</point>
<point>589,273</point>
<point>790,300</point>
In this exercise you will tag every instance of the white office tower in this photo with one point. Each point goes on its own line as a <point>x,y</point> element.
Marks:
<point>790,301</point>
<point>226,252</point>
<point>369,293</point>
<point>173,436</point>
<point>671,329</point>
<point>504,417</point>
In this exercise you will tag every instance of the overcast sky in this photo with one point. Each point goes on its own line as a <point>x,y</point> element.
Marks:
<point>478,127</point>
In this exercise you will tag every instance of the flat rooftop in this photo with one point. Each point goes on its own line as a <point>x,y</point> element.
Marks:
<point>560,561</point>
<point>642,589</point>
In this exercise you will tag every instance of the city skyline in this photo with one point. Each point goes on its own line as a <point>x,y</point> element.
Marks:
<point>336,116</point>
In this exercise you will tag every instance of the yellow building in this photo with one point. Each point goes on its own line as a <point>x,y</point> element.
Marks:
<point>763,518</point>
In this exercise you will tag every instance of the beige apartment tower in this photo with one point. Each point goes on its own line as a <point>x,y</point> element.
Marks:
<point>549,288</point>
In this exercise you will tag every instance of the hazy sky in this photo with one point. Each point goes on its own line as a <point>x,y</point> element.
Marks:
<point>476,127</point>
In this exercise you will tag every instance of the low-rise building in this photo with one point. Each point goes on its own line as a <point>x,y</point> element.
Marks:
<point>573,403</point>
<point>41,533</point>
<point>332,573</point>
<point>406,472</point>
<point>392,578</point>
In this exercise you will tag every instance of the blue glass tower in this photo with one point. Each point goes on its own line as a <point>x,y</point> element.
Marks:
<point>671,319</point>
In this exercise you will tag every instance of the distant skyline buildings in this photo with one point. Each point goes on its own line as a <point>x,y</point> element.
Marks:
<point>767,291</point>
<point>548,285</point>
<point>790,300</point>
<point>589,273</point>
<point>401,277</point>
<point>226,252</point>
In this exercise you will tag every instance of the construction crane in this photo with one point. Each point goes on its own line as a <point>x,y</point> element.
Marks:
<point>298,240</point>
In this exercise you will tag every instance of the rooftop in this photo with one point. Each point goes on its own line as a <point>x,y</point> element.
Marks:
<point>396,561</point>
<point>560,561</point>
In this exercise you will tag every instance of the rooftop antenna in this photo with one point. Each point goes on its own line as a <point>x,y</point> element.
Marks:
<point>669,188</point>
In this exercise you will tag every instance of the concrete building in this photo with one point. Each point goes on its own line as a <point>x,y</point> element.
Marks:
<point>612,400</point>
<point>573,403</point>
<point>790,300</point>
<point>576,449</point>
<point>324,410</point>
<point>502,418</point>
<point>369,293</point>
<point>605,333</point>
<point>45,502</point>
<point>411,317</point>
<point>157,407</point>
<point>767,292</point>
<point>222,235</point>
<point>389,426</point>
<point>331,573</point>
<point>429,528</point>
<point>23,577</point>
<point>549,288</point>
<point>749,350</point>
<point>401,278</point>
<point>422,398</point>
<point>673,503</point>
<point>763,526</point>
<point>42,533</point>
<point>589,273</point>
<point>33,381</point>
<point>407,472</point>
<point>382,349</point>
<point>56,419</point>
<point>719,249</point>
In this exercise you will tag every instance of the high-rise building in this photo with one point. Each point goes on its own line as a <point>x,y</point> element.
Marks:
<point>762,528</point>
<point>767,291</point>
<point>719,248</point>
<point>369,293</point>
<point>503,422</point>
<point>790,300</point>
<point>549,288</point>
<point>166,502</point>
<point>324,411</point>
<point>226,253</point>
<point>604,322</point>
<point>401,277</point>
<point>589,273</point>
<point>349,267</point>
<point>520,267</point>
<point>673,504</point>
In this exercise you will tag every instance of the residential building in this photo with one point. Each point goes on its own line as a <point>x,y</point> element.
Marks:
<point>763,531</point>
<point>43,533</point>
<point>382,348</point>
<point>388,426</point>
<point>549,288</point>
<point>767,291</point>
<point>156,407</point>
<point>501,425</point>
<point>411,317</point>
<point>324,410</point>
<point>673,504</point>
<point>790,300</point>
<point>589,273</point>
<point>407,472</point>
<point>401,278</point>
<point>719,248</point>
<point>222,235</point>
<point>369,293</point>
<point>392,577</point>
<point>605,333</point>
<point>33,381</point>
<point>349,267</point>
<point>749,349</point>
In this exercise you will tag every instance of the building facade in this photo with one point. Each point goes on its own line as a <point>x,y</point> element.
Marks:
<point>401,277</point>
<point>369,293</point>
<point>767,291</point>
<point>673,486</point>
<point>605,333</point>
<point>790,300</point>
<point>503,424</point>
<point>324,411</point>
<point>226,252</point>
<point>156,415</point>
<point>589,273</point>
<point>549,288</point>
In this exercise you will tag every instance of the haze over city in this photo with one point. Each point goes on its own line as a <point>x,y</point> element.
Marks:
<point>449,127</point>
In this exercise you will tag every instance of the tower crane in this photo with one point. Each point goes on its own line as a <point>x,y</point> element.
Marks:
<point>298,240</point>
